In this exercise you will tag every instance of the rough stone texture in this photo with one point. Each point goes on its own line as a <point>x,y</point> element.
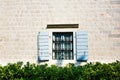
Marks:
<point>21,20</point>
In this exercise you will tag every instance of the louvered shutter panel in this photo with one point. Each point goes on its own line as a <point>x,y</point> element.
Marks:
<point>43,46</point>
<point>81,46</point>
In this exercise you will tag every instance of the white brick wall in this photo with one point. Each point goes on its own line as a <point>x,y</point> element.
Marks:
<point>21,20</point>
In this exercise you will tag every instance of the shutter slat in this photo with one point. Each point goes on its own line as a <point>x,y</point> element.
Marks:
<point>81,45</point>
<point>80,50</point>
<point>42,54</point>
<point>44,58</point>
<point>82,40</point>
<point>82,37</point>
<point>82,53</point>
<point>43,37</point>
<point>43,46</point>
<point>81,32</point>
<point>43,33</point>
<point>43,51</point>
<point>82,57</point>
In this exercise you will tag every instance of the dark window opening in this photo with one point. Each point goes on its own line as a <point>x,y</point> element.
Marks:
<point>62,47</point>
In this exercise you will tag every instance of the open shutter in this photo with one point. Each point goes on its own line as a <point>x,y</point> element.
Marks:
<point>81,46</point>
<point>43,46</point>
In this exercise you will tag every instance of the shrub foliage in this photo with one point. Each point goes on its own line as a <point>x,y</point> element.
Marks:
<point>90,71</point>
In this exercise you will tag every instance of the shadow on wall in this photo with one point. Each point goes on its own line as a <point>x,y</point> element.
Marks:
<point>80,60</point>
<point>59,63</point>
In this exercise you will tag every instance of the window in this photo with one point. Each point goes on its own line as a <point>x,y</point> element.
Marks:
<point>62,48</point>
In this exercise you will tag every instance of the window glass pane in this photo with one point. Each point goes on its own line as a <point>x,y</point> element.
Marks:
<point>63,45</point>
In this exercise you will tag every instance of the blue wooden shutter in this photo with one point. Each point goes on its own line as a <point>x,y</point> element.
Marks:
<point>43,46</point>
<point>81,46</point>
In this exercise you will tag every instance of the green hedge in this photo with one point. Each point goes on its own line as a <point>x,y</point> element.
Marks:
<point>90,71</point>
